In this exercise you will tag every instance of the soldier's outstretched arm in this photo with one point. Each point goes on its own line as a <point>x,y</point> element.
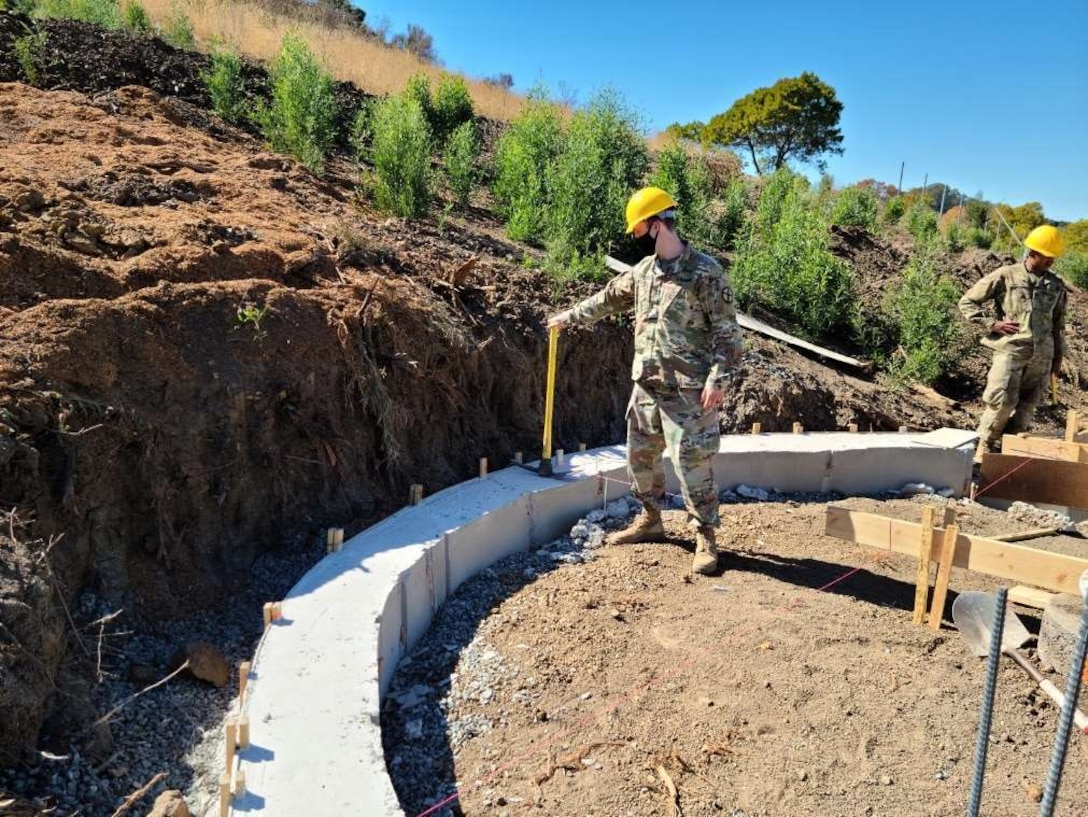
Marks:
<point>987,288</point>
<point>618,295</point>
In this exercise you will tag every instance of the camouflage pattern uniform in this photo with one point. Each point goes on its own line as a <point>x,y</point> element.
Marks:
<point>686,337</point>
<point>1022,362</point>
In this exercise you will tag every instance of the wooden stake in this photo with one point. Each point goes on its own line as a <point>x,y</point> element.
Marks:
<point>267,614</point>
<point>243,680</point>
<point>483,467</point>
<point>925,556</point>
<point>582,447</point>
<point>224,795</point>
<point>944,571</point>
<point>231,735</point>
<point>1072,425</point>
<point>339,539</point>
<point>243,731</point>
<point>757,428</point>
<point>239,783</point>
<point>852,428</point>
<point>1023,536</point>
<point>798,428</point>
<point>330,541</point>
<point>519,458</point>
<point>903,429</point>
<point>415,494</point>
<point>559,454</point>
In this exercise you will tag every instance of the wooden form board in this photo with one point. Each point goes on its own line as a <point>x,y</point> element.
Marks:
<point>1023,565</point>
<point>1046,447</point>
<point>1005,476</point>
<point>756,325</point>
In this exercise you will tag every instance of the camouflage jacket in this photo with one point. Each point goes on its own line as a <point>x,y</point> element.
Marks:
<point>1036,302</point>
<point>686,332</point>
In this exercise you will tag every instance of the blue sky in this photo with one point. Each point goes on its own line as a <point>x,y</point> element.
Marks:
<point>986,96</point>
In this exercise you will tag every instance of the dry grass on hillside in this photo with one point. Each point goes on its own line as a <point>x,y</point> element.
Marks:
<point>373,67</point>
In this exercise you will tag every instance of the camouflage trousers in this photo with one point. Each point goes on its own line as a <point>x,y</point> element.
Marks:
<point>1015,386</point>
<point>662,418</point>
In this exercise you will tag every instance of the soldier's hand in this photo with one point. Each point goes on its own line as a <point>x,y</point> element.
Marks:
<point>560,319</point>
<point>711,398</point>
<point>1005,327</point>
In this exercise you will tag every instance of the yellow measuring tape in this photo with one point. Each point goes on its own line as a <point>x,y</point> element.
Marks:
<point>549,401</point>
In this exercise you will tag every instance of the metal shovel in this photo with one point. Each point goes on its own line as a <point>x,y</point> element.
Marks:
<point>972,613</point>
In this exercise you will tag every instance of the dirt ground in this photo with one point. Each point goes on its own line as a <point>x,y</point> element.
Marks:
<point>787,685</point>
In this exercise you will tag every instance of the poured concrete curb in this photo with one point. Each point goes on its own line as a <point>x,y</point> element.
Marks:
<point>320,671</point>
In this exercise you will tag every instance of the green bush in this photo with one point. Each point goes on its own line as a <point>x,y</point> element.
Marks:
<point>462,148</point>
<point>921,309</point>
<point>401,153</point>
<point>955,237</point>
<point>604,159</point>
<point>30,52</point>
<point>734,210</point>
<point>531,143</point>
<point>687,179</point>
<point>921,222</point>
<point>783,261</point>
<point>419,89</point>
<point>225,85</point>
<point>135,18</point>
<point>1073,267</point>
<point>894,209</point>
<point>451,106</point>
<point>178,30</point>
<point>301,118</point>
<point>105,13</point>
<point>855,207</point>
<point>979,237</point>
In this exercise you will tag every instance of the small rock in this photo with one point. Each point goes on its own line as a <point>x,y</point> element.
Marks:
<point>206,663</point>
<point>915,489</point>
<point>414,729</point>
<point>758,494</point>
<point>586,696</point>
<point>617,509</point>
<point>885,780</point>
<point>1034,792</point>
<point>596,516</point>
<point>802,775</point>
<point>616,614</point>
<point>169,804</point>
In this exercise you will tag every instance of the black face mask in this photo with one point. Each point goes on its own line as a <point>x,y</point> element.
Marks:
<point>647,244</point>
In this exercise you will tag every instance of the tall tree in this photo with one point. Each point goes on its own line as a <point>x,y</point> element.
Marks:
<point>796,118</point>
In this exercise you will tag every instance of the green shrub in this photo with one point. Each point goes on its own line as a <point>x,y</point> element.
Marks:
<point>225,85</point>
<point>462,148</point>
<point>419,89</point>
<point>178,29</point>
<point>921,222</point>
<point>979,237</point>
<point>894,209</point>
<point>855,207</point>
<point>687,179</point>
<point>734,210</point>
<point>301,118</point>
<point>451,106</point>
<point>531,143</point>
<point>1073,267</point>
<point>921,309</point>
<point>135,18</point>
<point>783,261</point>
<point>30,52</point>
<point>401,153</point>
<point>955,237</point>
<point>604,159</point>
<point>105,13</point>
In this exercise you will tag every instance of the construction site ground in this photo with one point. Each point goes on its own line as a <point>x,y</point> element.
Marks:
<point>756,692</point>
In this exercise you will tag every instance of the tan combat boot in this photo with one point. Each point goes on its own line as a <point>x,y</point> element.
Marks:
<point>706,551</point>
<point>647,527</point>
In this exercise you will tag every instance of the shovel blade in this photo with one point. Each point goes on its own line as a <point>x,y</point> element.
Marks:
<point>973,615</point>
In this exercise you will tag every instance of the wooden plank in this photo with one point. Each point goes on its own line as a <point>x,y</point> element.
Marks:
<point>1044,447</point>
<point>756,325</point>
<point>1072,426</point>
<point>925,556</point>
<point>1030,596</point>
<point>1023,536</point>
<point>1029,479</point>
<point>1021,564</point>
<point>944,573</point>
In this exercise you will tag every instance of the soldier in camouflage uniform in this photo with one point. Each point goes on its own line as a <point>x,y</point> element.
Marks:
<point>686,342</point>
<point>1026,334</point>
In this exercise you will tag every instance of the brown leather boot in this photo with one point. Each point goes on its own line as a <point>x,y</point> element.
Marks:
<point>647,527</point>
<point>706,551</point>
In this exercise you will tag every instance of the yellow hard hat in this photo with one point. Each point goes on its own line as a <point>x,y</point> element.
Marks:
<point>1046,240</point>
<point>649,201</point>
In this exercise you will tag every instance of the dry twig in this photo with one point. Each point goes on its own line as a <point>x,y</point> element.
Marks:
<point>136,695</point>
<point>674,795</point>
<point>130,801</point>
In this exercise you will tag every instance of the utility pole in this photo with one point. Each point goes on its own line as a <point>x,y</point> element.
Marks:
<point>902,165</point>
<point>944,189</point>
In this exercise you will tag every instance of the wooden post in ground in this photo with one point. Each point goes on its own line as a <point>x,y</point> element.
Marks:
<point>925,556</point>
<point>944,571</point>
<point>231,736</point>
<point>519,458</point>
<point>415,494</point>
<point>582,447</point>
<point>483,467</point>
<point>852,428</point>
<point>243,731</point>
<point>239,788</point>
<point>243,680</point>
<point>903,429</point>
<point>798,428</point>
<point>224,795</point>
<point>267,611</point>
<point>757,428</point>
<point>1072,425</point>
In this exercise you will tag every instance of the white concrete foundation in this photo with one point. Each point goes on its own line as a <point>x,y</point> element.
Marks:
<point>319,672</point>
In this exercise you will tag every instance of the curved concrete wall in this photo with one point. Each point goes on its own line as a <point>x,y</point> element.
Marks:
<point>320,671</point>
